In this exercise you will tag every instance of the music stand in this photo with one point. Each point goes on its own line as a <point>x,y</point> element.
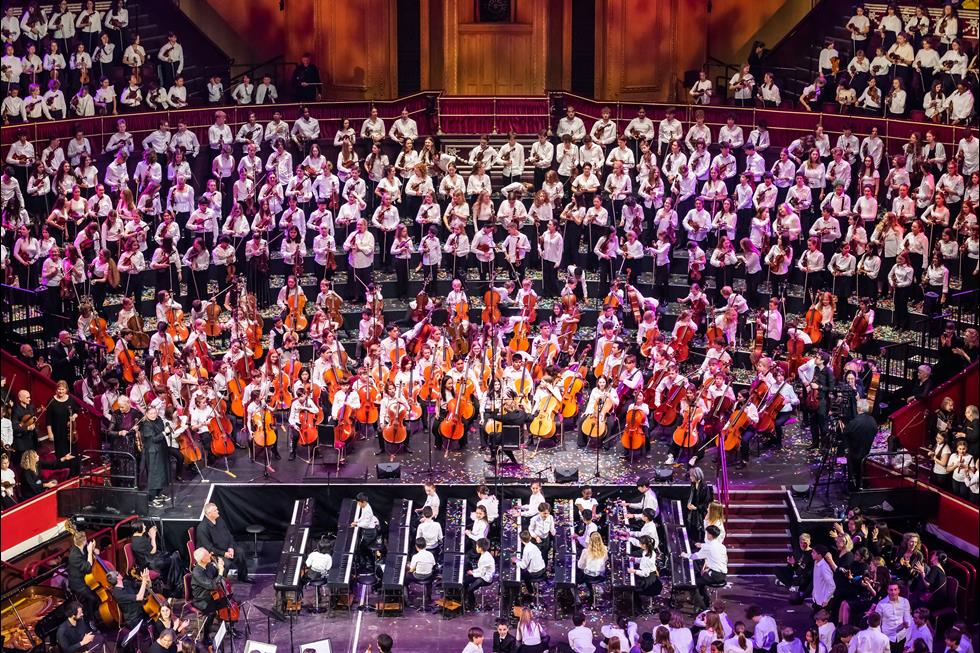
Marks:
<point>252,646</point>
<point>319,646</point>
<point>219,637</point>
<point>271,614</point>
<point>132,634</point>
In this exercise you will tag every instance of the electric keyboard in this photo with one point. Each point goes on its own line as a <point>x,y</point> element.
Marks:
<point>677,542</point>
<point>454,529</point>
<point>303,511</point>
<point>339,576</point>
<point>510,542</point>
<point>295,540</point>
<point>623,583</point>
<point>288,575</point>
<point>453,570</point>
<point>396,566</point>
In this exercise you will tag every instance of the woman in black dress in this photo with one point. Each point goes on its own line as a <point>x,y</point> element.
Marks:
<point>156,456</point>
<point>61,414</point>
<point>697,504</point>
<point>31,483</point>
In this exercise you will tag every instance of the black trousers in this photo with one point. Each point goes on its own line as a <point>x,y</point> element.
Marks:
<point>707,577</point>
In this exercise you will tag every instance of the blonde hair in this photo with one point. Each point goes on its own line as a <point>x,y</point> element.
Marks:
<point>712,622</point>
<point>716,513</point>
<point>597,548</point>
<point>29,460</point>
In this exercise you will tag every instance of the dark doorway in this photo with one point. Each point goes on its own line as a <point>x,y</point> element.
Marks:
<point>583,47</point>
<point>409,52</point>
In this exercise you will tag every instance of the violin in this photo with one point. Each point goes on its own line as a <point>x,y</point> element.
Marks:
<point>633,436</point>
<point>491,312</point>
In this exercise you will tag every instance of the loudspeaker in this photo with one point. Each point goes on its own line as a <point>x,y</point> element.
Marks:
<point>389,470</point>
<point>663,474</point>
<point>566,474</point>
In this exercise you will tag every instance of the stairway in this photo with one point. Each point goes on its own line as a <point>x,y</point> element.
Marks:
<point>758,535</point>
<point>202,57</point>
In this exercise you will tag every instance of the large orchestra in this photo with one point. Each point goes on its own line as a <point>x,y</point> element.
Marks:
<point>695,312</point>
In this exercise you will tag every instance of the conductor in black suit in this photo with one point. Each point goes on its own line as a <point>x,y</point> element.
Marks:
<point>213,535</point>
<point>859,435</point>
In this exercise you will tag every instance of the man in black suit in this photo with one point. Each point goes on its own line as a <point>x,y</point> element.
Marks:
<point>306,80</point>
<point>823,382</point>
<point>80,560</point>
<point>25,437</point>
<point>64,356</point>
<point>503,641</point>
<point>214,536</point>
<point>206,577</point>
<point>149,556</point>
<point>859,435</point>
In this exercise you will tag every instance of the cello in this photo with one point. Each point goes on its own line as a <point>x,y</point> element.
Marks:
<point>344,430</point>
<point>731,434</point>
<point>491,312</point>
<point>679,345</point>
<point>97,581</point>
<point>127,364</point>
<point>543,423</point>
<point>395,432</point>
<point>263,428</point>
<point>452,427</point>
<point>594,425</point>
<point>767,416</point>
<point>794,355</point>
<point>295,304</point>
<point>686,435</point>
<point>812,328</point>
<point>212,327</point>
<point>666,413</point>
<point>633,436</point>
<point>572,386</point>
<point>175,324</point>
<point>220,428</point>
<point>97,328</point>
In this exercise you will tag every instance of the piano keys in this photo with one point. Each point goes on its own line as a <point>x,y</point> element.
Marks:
<point>453,557</point>
<point>622,582</point>
<point>676,541</point>
<point>454,528</point>
<point>566,559</point>
<point>510,548</point>
<point>303,512</point>
<point>343,571</point>
<point>400,544</point>
<point>289,575</point>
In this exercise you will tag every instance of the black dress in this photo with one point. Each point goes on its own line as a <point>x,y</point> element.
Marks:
<point>156,455</point>
<point>58,415</point>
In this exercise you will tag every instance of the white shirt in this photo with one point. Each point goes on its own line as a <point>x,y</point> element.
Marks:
<point>895,617</point>
<point>823,583</point>
<point>422,563</point>
<point>531,559</point>
<point>580,639</point>
<point>714,554</point>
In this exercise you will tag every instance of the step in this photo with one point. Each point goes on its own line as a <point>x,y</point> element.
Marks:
<point>760,555</point>
<point>762,530</point>
<point>763,539</point>
<point>749,569</point>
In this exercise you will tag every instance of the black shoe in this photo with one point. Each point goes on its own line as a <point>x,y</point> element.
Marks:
<point>275,454</point>
<point>379,452</point>
<point>247,581</point>
<point>407,450</point>
<point>240,446</point>
<point>292,455</point>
